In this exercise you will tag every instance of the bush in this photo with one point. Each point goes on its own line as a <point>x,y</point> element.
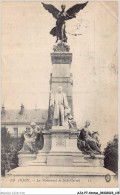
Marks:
<point>111,155</point>
<point>9,151</point>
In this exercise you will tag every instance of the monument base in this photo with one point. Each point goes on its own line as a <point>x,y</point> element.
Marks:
<point>61,165</point>
<point>59,176</point>
<point>64,151</point>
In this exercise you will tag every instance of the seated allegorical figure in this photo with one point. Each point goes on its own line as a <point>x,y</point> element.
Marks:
<point>32,139</point>
<point>88,142</point>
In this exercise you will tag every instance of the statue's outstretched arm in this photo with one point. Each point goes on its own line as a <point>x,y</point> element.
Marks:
<point>70,17</point>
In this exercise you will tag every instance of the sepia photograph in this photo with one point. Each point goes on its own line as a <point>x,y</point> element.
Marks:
<point>59,94</point>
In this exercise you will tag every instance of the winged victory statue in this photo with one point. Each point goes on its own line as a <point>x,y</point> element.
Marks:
<point>62,16</point>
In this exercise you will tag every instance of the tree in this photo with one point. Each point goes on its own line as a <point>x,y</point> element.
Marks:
<point>9,152</point>
<point>111,155</point>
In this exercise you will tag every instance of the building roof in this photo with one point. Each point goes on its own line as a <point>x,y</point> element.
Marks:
<point>38,116</point>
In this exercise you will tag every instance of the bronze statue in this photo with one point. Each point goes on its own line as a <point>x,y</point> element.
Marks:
<point>61,17</point>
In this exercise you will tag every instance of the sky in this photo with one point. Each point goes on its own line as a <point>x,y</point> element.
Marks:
<point>26,61</point>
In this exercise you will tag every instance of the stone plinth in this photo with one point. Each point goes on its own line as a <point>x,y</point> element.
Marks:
<point>41,158</point>
<point>60,176</point>
<point>60,153</point>
<point>64,151</point>
<point>26,159</point>
<point>61,58</point>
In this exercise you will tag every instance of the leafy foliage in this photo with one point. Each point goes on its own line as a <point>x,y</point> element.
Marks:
<point>111,155</point>
<point>9,150</point>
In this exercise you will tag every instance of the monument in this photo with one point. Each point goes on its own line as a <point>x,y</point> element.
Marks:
<point>61,162</point>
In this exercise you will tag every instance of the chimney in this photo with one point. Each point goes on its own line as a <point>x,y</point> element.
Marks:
<point>3,109</point>
<point>22,109</point>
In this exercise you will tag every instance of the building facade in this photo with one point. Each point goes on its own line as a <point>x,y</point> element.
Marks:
<point>18,121</point>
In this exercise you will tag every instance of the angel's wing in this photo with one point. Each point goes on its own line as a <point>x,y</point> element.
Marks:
<point>54,11</point>
<point>75,9</point>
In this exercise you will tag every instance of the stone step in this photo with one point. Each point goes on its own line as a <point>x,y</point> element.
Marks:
<point>59,177</point>
<point>79,161</point>
<point>81,164</point>
<point>59,169</point>
<point>37,164</point>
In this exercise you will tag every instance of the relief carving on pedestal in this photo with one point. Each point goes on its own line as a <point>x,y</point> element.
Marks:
<point>60,141</point>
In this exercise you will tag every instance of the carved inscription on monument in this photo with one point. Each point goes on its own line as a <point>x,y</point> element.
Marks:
<point>60,141</point>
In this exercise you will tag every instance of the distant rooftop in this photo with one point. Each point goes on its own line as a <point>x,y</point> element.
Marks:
<point>38,116</point>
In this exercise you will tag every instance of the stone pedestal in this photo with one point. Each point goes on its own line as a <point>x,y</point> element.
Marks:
<point>60,152</point>
<point>26,159</point>
<point>64,151</point>
<point>78,157</point>
<point>42,154</point>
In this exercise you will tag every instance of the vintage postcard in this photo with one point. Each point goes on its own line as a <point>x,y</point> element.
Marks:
<point>59,109</point>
